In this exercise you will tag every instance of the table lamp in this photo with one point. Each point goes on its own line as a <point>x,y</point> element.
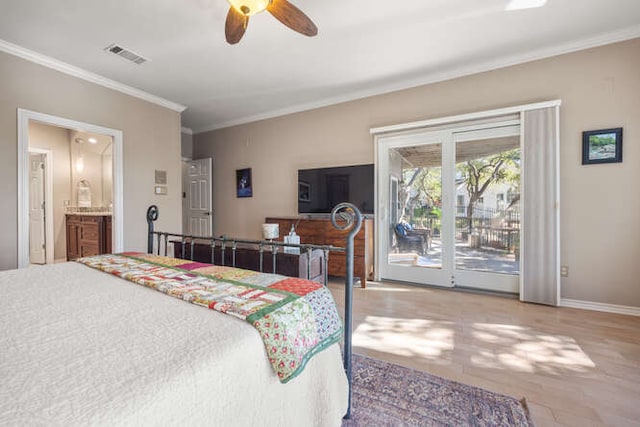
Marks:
<point>270,231</point>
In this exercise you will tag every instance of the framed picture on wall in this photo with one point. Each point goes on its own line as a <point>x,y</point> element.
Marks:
<point>244,186</point>
<point>602,146</point>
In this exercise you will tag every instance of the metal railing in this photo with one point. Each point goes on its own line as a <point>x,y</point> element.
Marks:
<point>498,229</point>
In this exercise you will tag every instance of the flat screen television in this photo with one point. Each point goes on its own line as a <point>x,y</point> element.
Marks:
<point>319,190</point>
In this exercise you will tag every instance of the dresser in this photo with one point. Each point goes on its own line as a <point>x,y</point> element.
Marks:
<point>87,235</point>
<point>320,231</point>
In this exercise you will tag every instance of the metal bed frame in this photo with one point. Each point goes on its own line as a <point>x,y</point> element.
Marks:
<point>344,216</point>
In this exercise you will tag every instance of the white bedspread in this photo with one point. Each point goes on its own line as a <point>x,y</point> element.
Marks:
<point>81,347</point>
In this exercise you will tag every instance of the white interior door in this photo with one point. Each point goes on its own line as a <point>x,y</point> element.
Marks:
<point>199,204</point>
<point>37,242</point>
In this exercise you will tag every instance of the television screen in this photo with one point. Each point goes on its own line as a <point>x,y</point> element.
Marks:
<point>319,190</point>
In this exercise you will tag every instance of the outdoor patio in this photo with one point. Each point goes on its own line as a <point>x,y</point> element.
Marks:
<point>467,258</point>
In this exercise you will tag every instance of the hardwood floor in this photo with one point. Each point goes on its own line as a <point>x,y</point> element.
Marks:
<point>574,367</point>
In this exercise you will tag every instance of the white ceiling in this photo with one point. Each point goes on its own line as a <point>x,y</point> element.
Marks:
<point>363,47</point>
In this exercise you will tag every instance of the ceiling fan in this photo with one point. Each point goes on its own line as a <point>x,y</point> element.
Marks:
<point>282,10</point>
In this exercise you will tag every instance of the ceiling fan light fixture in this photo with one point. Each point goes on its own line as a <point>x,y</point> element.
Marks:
<point>249,7</point>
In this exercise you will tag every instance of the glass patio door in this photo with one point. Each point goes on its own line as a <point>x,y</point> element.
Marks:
<point>487,210</point>
<point>448,207</point>
<point>414,245</point>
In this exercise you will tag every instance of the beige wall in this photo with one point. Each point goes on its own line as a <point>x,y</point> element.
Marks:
<point>599,88</point>
<point>186,145</point>
<point>57,140</point>
<point>151,141</point>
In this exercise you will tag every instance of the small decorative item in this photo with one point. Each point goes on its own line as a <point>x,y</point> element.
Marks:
<point>602,146</point>
<point>243,183</point>
<point>304,191</point>
<point>292,237</point>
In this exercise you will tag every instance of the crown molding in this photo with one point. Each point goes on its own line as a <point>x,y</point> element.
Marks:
<point>507,61</point>
<point>74,71</point>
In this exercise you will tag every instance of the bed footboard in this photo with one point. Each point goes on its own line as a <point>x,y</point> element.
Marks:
<point>344,216</point>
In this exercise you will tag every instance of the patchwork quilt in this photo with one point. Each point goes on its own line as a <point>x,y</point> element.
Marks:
<point>296,318</point>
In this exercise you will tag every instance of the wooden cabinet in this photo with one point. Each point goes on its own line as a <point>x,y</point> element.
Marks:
<point>320,231</point>
<point>88,235</point>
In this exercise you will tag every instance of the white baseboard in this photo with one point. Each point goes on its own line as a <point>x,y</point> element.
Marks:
<point>598,306</point>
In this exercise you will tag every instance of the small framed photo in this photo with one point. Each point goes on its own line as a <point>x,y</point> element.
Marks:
<point>304,191</point>
<point>243,183</point>
<point>602,146</point>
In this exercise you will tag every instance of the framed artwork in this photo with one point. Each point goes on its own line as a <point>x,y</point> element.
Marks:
<point>602,146</point>
<point>244,186</point>
<point>304,191</point>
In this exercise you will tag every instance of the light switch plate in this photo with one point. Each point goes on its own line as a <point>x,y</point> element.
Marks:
<point>160,190</point>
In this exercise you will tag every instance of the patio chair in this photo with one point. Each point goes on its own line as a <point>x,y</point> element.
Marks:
<point>409,240</point>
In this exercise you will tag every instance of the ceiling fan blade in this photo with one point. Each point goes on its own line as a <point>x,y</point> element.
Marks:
<point>235,26</point>
<point>292,17</point>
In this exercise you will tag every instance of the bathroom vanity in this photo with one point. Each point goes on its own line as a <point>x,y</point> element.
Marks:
<point>88,233</point>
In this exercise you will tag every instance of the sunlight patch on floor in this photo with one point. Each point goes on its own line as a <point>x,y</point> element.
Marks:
<point>494,346</point>
<point>405,337</point>
<point>523,349</point>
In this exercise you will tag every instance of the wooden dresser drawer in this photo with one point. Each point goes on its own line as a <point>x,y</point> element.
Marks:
<point>90,232</point>
<point>89,250</point>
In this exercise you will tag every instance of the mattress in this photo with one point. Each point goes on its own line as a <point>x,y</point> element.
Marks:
<point>82,347</point>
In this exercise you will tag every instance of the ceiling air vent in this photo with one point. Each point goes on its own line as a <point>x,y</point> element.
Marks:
<point>126,53</point>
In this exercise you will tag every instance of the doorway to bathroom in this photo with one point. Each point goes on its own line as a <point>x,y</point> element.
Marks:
<point>65,168</point>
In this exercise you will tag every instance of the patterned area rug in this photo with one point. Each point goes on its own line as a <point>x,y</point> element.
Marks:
<point>385,394</point>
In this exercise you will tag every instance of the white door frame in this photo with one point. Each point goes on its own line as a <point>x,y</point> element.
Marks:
<point>24,117</point>
<point>48,202</point>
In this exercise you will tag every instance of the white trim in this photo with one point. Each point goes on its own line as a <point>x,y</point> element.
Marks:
<point>523,197</point>
<point>598,306</point>
<point>24,116</point>
<point>464,117</point>
<point>466,70</point>
<point>558,205</point>
<point>48,203</point>
<point>186,130</point>
<point>74,71</point>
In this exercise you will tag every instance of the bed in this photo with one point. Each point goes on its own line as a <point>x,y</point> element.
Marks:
<point>81,347</point>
